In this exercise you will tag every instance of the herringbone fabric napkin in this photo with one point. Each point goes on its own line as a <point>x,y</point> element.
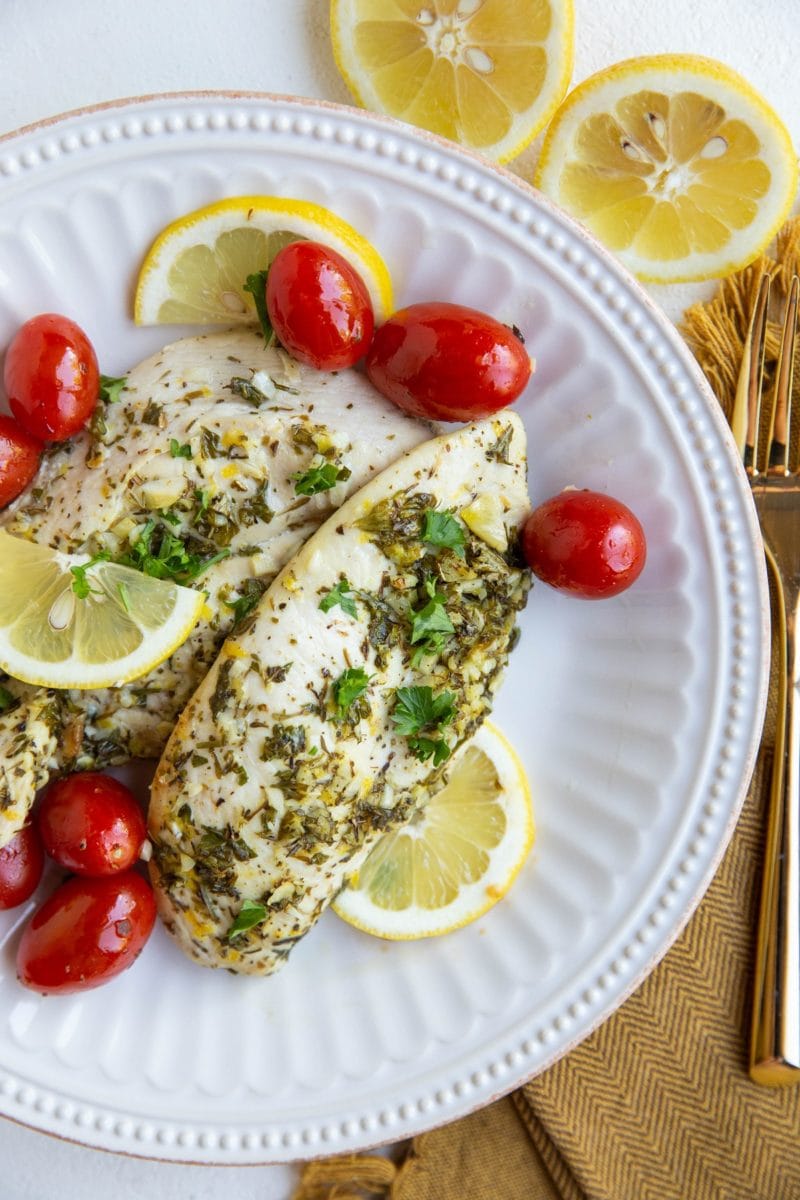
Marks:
<point>657,1103</point>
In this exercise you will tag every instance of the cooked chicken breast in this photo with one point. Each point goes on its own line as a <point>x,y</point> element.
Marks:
<point>330,717</point>
<point>220,457</point>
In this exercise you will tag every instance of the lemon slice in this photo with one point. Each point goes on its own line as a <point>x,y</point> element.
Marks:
<point>675,163</point>
<point>456,858</point>
<point>196,270</point>
<point>126,625</point>
<point>486,73</point>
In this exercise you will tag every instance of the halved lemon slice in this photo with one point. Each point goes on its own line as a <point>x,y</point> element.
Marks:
<point>486,73</point>
<point>456,858</point>
<point>196,270</point>
<point>675,163</point>
<point>65,626</point>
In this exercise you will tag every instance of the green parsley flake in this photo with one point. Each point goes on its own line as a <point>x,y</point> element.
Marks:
<point>80,583</point>
<point>342,595</point>
<point>251,913</point>
<point>350,685</point>
<point>251,592</point>
<point>419,716</point>
<point>256,285</point>
<point>6,699</point>
<point>179,451</point>
<point>110,388</point>
<point>430,625</point>
<point>160,553</point>
<point>442,529</point>
<point>320,478</point>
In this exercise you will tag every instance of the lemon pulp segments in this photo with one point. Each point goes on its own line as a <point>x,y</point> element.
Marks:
<point>487,73</point>
<point>456,858</point>
<point>125,626</point>
<point>674,162</point>
<point>196,270</point>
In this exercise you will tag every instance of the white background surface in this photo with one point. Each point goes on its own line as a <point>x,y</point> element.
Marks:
<point>62,54</point>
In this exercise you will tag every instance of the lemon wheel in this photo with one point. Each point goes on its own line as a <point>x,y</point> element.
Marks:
<point>487,74</point>
<point>197,268</point>
<point>66,624</point>
<point>456,858</point>
<point>675,163</point>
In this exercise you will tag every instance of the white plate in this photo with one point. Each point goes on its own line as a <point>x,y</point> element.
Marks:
<point>637,718</point>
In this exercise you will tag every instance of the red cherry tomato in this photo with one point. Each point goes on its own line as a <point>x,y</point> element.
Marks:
<point>19,459</point>
<point>87,932</point>
<point>319,306</point>
<point>584,543</point>
<point>446,362</point>
<point>21,865</point>
<point>51,377</point>
<point>91,824</point>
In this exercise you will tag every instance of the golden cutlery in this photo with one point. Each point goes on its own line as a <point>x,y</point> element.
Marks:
<point>767,447</point>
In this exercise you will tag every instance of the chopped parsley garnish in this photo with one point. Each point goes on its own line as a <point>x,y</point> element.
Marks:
<point>319,479</point>
<point>342,595</point>
<point>247,390</point>
<point>110,388</point>
<point>179,451</point>
<point>350,685</point>
<point>153,414</point>
<point>442,529</point>
<point>256,285</point>
<point>251,913</point>
<point>251,592</point>
<point>80,583</point>
<point>210,444</point>
<point>430,625</point>
<point>498,451</point>
<point>203,498</point>
<point>6,699</point>
<point>160,553</point>
<point>420,716</point>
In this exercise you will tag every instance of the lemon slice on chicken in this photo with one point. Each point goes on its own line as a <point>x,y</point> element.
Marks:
<point>675,163</point>
<point>197,268</point>
<point>456,858</point>
<point>66,625</point>
<point>486,73</point>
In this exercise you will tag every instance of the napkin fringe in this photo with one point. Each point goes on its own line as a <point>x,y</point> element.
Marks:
<point>349,1177</point>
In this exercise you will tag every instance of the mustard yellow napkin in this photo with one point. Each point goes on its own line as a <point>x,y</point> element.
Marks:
<point>657,1103</point>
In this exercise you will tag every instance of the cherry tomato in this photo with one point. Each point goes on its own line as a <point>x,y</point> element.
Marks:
<point>91,824</point>
<point>584,543</point>
<point>51,377</point>
<point>87,932</point>
<point>21,866</point>
<point>19,459</point>
<point>319,306</point>
<point>446,362</point>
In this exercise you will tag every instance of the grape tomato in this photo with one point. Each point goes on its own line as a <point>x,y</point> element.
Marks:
<point>86,933</point>
<point>21,866</point>
<point>319,306</point>
<point>19,459</point>
<point>91,824</point>
<point>447,362</point>
<point>585,543</point>
<point>51,377</point>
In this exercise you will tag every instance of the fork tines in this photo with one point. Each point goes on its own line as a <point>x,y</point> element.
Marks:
<point>746,421</point>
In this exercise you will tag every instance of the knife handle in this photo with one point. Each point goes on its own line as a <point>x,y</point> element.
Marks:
<point>775,1037</point>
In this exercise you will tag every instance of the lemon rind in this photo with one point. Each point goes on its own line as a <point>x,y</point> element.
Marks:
<point>500,152</point>
<point>313,218</point>
<point>353,908</point>
<point>691,67</point>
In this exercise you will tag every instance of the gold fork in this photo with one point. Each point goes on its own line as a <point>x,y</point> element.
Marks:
<point>775,1035</point>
